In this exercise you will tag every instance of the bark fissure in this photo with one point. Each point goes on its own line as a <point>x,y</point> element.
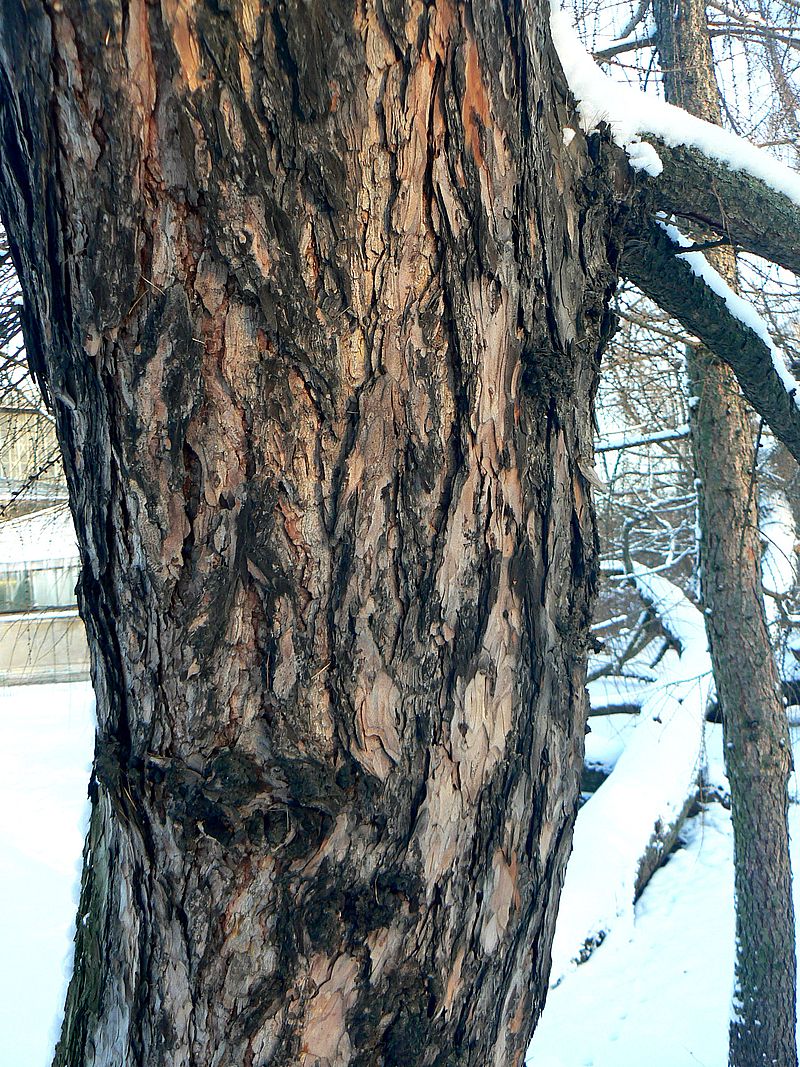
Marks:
<point>330,362</point>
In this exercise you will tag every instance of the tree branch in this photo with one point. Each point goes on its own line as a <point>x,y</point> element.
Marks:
<point>649,259</point>
<point>618,47</point>
<point>755,217</point>
<point>621,441</point>
<point>759,214</point>
<point>638,16</point>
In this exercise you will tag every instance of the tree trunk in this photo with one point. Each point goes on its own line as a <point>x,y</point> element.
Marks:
<point>318,292</point>
<point>757,752</point>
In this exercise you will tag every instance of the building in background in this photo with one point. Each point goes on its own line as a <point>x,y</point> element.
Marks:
<point>31,475</point>
<point>42,638</point>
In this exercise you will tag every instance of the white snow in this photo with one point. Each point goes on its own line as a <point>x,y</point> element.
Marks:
<point>658,988</point>
<point>652,779</point>
<point>678,615</point>
<point>740,308</point>
<point>46,742</point>
<point>658,991</point>
<point>616,691</point>
<point>632,115</point>
<point>608,739</point>
<point>643,156</point>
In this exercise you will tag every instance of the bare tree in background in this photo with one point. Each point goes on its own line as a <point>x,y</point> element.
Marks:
<point>757,751</point>
<point>30,460</point>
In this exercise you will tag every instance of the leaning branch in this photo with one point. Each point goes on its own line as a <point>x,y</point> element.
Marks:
<point>653,261</point>
<point>696,170</point>
<point>648,794</point>
<point>619,442</point>
<point>753,215</point>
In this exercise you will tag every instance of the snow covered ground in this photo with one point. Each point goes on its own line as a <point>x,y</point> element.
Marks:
<point>46,741</point>
<point>656,991</point>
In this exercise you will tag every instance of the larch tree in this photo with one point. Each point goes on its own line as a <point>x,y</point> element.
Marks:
<point>318,293</point>
<point>756,732</point>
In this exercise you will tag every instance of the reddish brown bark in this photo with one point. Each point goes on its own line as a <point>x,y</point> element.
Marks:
<point>318,293</point>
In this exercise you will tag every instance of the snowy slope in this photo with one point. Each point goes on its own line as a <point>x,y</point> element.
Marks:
<point>652,779</point>
<point>657,993</point>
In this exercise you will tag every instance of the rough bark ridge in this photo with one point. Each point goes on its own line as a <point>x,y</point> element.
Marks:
<point>318,293</point>
<point>757,752</point>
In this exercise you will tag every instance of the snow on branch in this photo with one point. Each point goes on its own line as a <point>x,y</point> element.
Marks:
<point>740,308</point>
<point>686,286</point>
<point>751,214</point>
<point>677,614</point>
<point>700,172</point>
<point>620,441</point>
<point>625,826</point>
<point>632,115</point>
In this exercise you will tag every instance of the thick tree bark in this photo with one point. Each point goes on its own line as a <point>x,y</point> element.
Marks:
<point>757,752</point>
<point>318,293</point>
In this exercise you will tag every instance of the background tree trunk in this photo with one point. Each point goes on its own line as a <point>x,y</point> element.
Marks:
<point>757,752</point>
<point>318,293</point>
